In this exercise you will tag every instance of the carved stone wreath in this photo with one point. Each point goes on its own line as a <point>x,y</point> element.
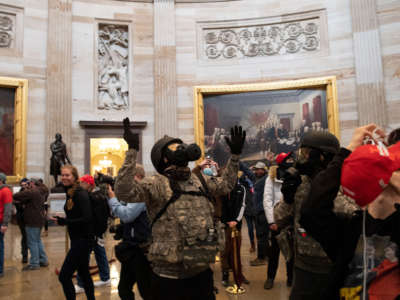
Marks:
<point>6,31</point>
<point>262,40</point>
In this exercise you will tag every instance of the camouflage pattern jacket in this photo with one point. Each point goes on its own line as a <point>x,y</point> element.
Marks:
<point>309,254</point>
<point>185,222</point>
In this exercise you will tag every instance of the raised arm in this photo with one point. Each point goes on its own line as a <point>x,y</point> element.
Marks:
<point>219,186</point>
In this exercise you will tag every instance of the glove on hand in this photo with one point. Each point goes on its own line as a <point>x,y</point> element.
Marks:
<point>131,139</point>
<point>236,142</point>
<point>289,186</point>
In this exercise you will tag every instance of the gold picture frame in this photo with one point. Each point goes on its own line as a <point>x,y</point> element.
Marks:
<point>326,83</point>
<point>20,113</point>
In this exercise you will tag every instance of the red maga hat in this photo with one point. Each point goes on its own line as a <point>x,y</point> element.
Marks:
<point>367,172</point>
<point>281,157</point>
<point>88,179</point>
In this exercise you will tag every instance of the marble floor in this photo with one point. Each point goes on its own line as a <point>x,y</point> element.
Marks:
<point>43,284</point>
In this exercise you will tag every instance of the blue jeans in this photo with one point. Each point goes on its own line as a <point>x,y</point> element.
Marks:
<point>1,252</point>
<point>35,245</point>
<point>102,262</point>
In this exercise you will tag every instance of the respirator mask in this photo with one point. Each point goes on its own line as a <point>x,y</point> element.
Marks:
<point>181,154</point>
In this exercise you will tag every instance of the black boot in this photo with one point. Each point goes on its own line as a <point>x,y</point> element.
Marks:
<point>225,278</point>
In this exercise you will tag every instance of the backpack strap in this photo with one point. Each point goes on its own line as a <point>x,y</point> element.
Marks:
<point>177,193</point>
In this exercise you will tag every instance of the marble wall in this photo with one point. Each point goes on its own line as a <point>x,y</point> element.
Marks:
<point>86,15</point>
<point>189,64</point>
<point>338,59</point>
<point>388,12</point>
<point>30,63</point>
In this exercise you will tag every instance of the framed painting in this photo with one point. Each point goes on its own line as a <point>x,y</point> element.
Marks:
<point>275,116</point>
<point>13,106</point>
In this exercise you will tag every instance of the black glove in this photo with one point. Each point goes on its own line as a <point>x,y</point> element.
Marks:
<point>236,142</point>
<point>290,185</point>
<point>61,221</point>
<point>131,139</point>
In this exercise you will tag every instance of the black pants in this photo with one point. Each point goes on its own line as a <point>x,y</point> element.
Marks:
<point>308,285</point>
<point>135,270</point>
<point>24,245</point>
<point>262,231</point>
<point>273,262</point>
<point>199,287</point>
<point>77,259</point>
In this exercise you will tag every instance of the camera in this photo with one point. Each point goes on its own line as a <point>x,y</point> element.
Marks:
<point>118,231</point>
<point>105,179</point>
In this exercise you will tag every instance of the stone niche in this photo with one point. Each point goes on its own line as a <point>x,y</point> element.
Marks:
<point>267,37</point>
<point>11,30</point>
<point>112,66</point>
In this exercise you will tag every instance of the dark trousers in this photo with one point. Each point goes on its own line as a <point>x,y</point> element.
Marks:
<point>250,227</point>
<point>24,244</point>
<point>1,252</point>
<point>228,251</point>
<point>77,259</point>
<point>262,231</point>
<point>273,262</point>
<point>308,285</point>
<point>199,287</point>
<point>135,270</point>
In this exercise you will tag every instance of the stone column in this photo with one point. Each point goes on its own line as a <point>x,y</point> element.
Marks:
<point>368,63</point>
<point>59,86</point>
<point>165,94</point>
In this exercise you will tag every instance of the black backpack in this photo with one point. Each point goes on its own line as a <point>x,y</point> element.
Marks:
<point>101,212</point>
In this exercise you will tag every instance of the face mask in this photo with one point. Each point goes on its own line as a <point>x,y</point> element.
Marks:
<point>180,154</point>
<point>208,171</point>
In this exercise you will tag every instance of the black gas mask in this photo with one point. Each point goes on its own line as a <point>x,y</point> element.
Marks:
<point>180,154</point>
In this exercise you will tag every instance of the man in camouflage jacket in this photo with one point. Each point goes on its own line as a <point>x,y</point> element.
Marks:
<point>311,265</point>
<point>182,245</point>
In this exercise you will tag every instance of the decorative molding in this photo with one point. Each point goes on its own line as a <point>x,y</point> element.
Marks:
<point>112,66</point>
<point>11,30</point>
<point>111,124</point>
<point>283,35</point>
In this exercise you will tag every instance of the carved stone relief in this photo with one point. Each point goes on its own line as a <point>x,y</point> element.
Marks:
<point>113,62</point>
<point>261,40</point>
<point>7,30</point>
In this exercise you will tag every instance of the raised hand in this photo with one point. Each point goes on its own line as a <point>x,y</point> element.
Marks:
<point>236,142</point>
<point>131,139</point>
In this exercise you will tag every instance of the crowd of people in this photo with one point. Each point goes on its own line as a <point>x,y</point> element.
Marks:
<point>333,212</point>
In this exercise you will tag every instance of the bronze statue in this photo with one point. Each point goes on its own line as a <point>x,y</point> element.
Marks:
<point>58,156</point>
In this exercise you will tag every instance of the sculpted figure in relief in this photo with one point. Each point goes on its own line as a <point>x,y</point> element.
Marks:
<point>113,51</point>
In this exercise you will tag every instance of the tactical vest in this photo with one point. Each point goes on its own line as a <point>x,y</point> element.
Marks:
<point>185,237</point>
<point>309,254</point>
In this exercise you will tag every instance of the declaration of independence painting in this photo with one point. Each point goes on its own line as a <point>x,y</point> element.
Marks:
<point>7,130</point>
<point>275,121</point>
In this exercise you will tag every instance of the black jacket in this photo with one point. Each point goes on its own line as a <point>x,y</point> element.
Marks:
<point>337,234</point>
<point>79,215</point>
<point>233,204</point>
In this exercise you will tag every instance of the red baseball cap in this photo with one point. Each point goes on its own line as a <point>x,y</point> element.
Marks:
<point>366,173</point>
<point>88,179</point>
<point>281,157</point>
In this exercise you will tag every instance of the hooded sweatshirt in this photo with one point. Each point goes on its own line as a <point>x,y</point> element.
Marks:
<point>5,204</point>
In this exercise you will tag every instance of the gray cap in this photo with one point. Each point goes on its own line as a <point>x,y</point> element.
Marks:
<point>3,177</point>
<point>260,165</point>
